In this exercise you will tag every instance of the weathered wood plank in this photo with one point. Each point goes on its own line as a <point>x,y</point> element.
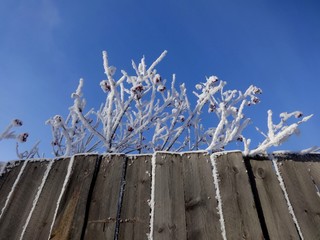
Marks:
<point>314,170</point>
<point>70,218</point>
<point>103,209</point>
<point>202,218</point>
<point>275,209</point>
<point>42,217</point>
<point>135,212</point>
<point>7,180</point>
<point>169,209</point>
<point>239,210</point>
<point>20,204</point>
<point>303,195</point>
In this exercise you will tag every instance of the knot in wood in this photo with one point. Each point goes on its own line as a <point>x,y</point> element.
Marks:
<point>235,170</point>
<point>260,173</point>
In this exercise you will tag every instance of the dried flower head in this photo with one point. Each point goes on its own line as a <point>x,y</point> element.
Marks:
<point>157,79</point>
<point>161,88</point>
<point>298,114</point>
<point>16,122</point>
<point>213,79</point>
<point>255,100</point>
<point>212,108</point>
<point>105,86</point>
<point>23,137</point>
<point>256,90</point>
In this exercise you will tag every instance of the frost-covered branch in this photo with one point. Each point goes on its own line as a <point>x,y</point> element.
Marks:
<point>142,113</point>
<point>279,133</point>
<point>9,133</point>
<point>232,120</point>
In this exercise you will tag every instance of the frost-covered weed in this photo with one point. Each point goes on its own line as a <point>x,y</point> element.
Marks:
<point>9,133</point>
<point>144,113</point>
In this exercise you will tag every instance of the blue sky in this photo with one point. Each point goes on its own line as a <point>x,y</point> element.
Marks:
<point>46,46</point>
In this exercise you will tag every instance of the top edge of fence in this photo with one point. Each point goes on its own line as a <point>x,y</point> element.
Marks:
<point>279,155</point>
<point>282,156</point>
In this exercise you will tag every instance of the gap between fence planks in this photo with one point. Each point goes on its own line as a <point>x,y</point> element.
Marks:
<point>103,207</point>
<point>241,219</point>
<point>302,184</point>
<point>278,220</point>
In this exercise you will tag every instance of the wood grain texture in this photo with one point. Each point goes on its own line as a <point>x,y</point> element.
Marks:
<point>42,217</point>
<point>169,209</point>
<point>103,209</point>
<point>239,210</point>
<point>303,195</point>
<point>135,212</point>
<point>70,218</point>
<point>20,204</point>
<point>275,209</point>
<point>202,218</point>
<point>185,201</point>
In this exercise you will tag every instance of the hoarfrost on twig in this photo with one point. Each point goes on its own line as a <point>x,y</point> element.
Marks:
<point>142,113</point>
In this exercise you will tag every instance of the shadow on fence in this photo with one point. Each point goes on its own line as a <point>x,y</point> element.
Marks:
<point>162,196</point>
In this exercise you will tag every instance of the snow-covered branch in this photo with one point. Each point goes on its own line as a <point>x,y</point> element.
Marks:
<point>9,133</point>
<point>279,133</point>
<point>143,113</point>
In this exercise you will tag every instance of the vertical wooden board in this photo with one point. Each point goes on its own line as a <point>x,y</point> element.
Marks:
<point>71,213</point>
<point>275,209</point>
<point>202,218</point>
<point>103,209</point>
<point>303,197</point>
<point>314,171</point>
<point>239,210</point>
<point>7,180</point>
<point>169,209</point>
<point>20,204</point>
<point>42,217</point>
<point>135,212</point>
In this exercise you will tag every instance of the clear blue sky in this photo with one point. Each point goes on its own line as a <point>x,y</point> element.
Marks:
<point>47,45</point>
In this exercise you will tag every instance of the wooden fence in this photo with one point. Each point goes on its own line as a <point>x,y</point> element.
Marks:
<point>162,196</point>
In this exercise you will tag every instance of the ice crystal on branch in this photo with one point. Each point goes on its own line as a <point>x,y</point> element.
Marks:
<point>143,112</point>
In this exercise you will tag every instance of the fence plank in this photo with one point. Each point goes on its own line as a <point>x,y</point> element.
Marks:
<point>275,209</point>
<point>20,204</point>
<point>314,170</point>
<point>239,210</point>
<point>71,212</point>
<point>303,195</point>
<point>202,218</point>
<point>169,209</point>
<point>42,217</point>
<point>103,209</point>
<point>135,212</point>
<point>7,180</point>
